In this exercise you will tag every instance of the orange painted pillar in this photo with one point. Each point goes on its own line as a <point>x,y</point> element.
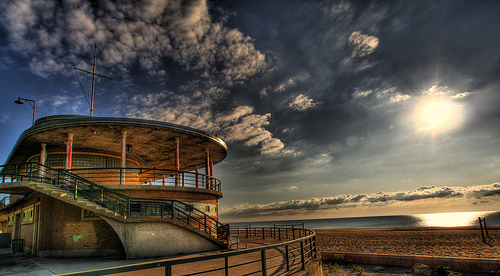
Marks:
<point>124,157</point>
<point>177,162</point>
<point>69,151</point>
<point>207,167</point>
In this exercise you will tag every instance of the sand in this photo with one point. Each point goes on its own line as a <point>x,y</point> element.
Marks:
<point>461,242</point>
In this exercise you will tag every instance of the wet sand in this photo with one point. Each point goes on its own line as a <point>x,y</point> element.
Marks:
<point>463,242</point>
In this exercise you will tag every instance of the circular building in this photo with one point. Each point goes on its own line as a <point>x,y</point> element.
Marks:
<point>130,169</point>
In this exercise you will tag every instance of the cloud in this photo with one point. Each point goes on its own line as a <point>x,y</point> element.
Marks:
<point>362,45</point>
<point>239,124</point>
<point>301,102</point>
<point>146,34</point>
<point>363,200</point>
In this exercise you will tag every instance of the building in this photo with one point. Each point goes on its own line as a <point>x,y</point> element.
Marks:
<point>100,186</point>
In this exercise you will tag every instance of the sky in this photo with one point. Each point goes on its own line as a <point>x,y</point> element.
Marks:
<point>329,108</point>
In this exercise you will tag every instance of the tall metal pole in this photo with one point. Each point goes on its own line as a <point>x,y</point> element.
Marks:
<point>93,82</point>
<point>93,79</point>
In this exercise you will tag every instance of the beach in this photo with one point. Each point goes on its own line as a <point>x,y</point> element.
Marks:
<point>463,242</point>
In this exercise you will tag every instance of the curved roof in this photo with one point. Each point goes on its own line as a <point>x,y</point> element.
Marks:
<point>152,141</point>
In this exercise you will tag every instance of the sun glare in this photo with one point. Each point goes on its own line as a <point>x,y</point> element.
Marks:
<point>450,219</point>
<point>438,115</point>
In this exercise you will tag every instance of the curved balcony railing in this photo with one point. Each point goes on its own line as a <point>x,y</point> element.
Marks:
<point>148,176</point>
<point>124,205</point>
<point>276,258</point>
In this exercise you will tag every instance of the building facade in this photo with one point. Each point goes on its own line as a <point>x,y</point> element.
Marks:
<point>102,186</point>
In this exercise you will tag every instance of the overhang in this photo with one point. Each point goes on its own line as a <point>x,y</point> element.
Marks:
<point>151,141</point>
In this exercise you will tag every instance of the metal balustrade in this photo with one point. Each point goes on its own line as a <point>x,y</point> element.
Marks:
<point>148,176</point>
<point>282,258</point>
<point>4,201</point>
<point>128,207</point>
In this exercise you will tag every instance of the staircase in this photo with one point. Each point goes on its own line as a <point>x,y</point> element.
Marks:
<point>108,203</point>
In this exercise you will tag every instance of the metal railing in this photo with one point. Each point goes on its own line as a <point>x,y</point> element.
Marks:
<point>126,206</point>
<point>148,176</point>
<point>4,201</point>
<point>274,259</point>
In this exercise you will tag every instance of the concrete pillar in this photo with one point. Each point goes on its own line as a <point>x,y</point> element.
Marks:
<point>124,157</point>
<point>69,151</point>
<point>177,162</point>
<point>43,159</point>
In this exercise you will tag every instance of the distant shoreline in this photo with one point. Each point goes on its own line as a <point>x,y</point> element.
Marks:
<point>462,241</point>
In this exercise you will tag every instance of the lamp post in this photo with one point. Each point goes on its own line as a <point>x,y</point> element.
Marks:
<point>20,101</point>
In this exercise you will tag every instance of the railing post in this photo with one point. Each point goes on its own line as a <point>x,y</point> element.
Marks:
<point>226,265</point>
<point>205,222</point>
<point>279,233</point>
<point>128,208</point>
<point>315,248</point>
<point>30,178</point>
<point>15,173</point>
<point>168,270</point>
<point>302,259</point>
<point>263,260</point>
<point>287,259</point>
<point>91,192</point>
<point>172,207</point>
<point>293,232</point>
<point>263,234</point>
<point>310,247</point>
<point>76,188</point>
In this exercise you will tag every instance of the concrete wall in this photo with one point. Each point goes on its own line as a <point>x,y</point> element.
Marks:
<point>152,239</point>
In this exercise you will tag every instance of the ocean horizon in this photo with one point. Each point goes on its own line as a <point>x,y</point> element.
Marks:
<point>454,219</point>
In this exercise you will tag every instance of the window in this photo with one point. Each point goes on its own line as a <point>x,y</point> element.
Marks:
<point>27,215</point>
<point>207,209</point>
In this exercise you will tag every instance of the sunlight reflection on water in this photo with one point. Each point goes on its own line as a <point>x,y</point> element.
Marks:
<point>450,219</point>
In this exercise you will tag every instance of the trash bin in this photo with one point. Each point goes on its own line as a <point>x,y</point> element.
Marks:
<point>17,246</point>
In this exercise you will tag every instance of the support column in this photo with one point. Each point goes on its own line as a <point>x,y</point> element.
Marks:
<point>43,159</point>
<point>124,158</point>
<point>197,180</point>
<point>212,174</point>
<point>177,162</point>
<point>69,151</point>
<point>207,167</point>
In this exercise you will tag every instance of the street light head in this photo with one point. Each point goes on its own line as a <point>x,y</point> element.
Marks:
<point>19,101</point>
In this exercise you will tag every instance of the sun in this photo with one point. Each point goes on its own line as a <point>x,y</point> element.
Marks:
<point>438,115</point>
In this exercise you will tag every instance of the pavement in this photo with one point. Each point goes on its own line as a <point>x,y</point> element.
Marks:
<point>28,265</point>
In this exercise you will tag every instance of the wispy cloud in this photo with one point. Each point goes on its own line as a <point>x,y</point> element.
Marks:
<point>237,125</point>
<point>301,102</point>
<point>362,44</point>
<point>479,192</point>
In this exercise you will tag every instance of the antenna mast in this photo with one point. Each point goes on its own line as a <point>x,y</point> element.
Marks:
<point>93,80</point>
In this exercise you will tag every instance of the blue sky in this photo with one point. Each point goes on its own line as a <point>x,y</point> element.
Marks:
<point>329,108</point>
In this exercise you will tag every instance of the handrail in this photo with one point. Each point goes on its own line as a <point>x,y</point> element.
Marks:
<point>4,201</point>
<point>151,176</point>
<point>108,198</point>
<point>295,255</point>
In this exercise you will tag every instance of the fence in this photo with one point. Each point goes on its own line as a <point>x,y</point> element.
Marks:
<point>274,259</point>
<point>124,205</point>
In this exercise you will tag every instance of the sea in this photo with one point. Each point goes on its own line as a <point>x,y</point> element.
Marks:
<point>453,219</point>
